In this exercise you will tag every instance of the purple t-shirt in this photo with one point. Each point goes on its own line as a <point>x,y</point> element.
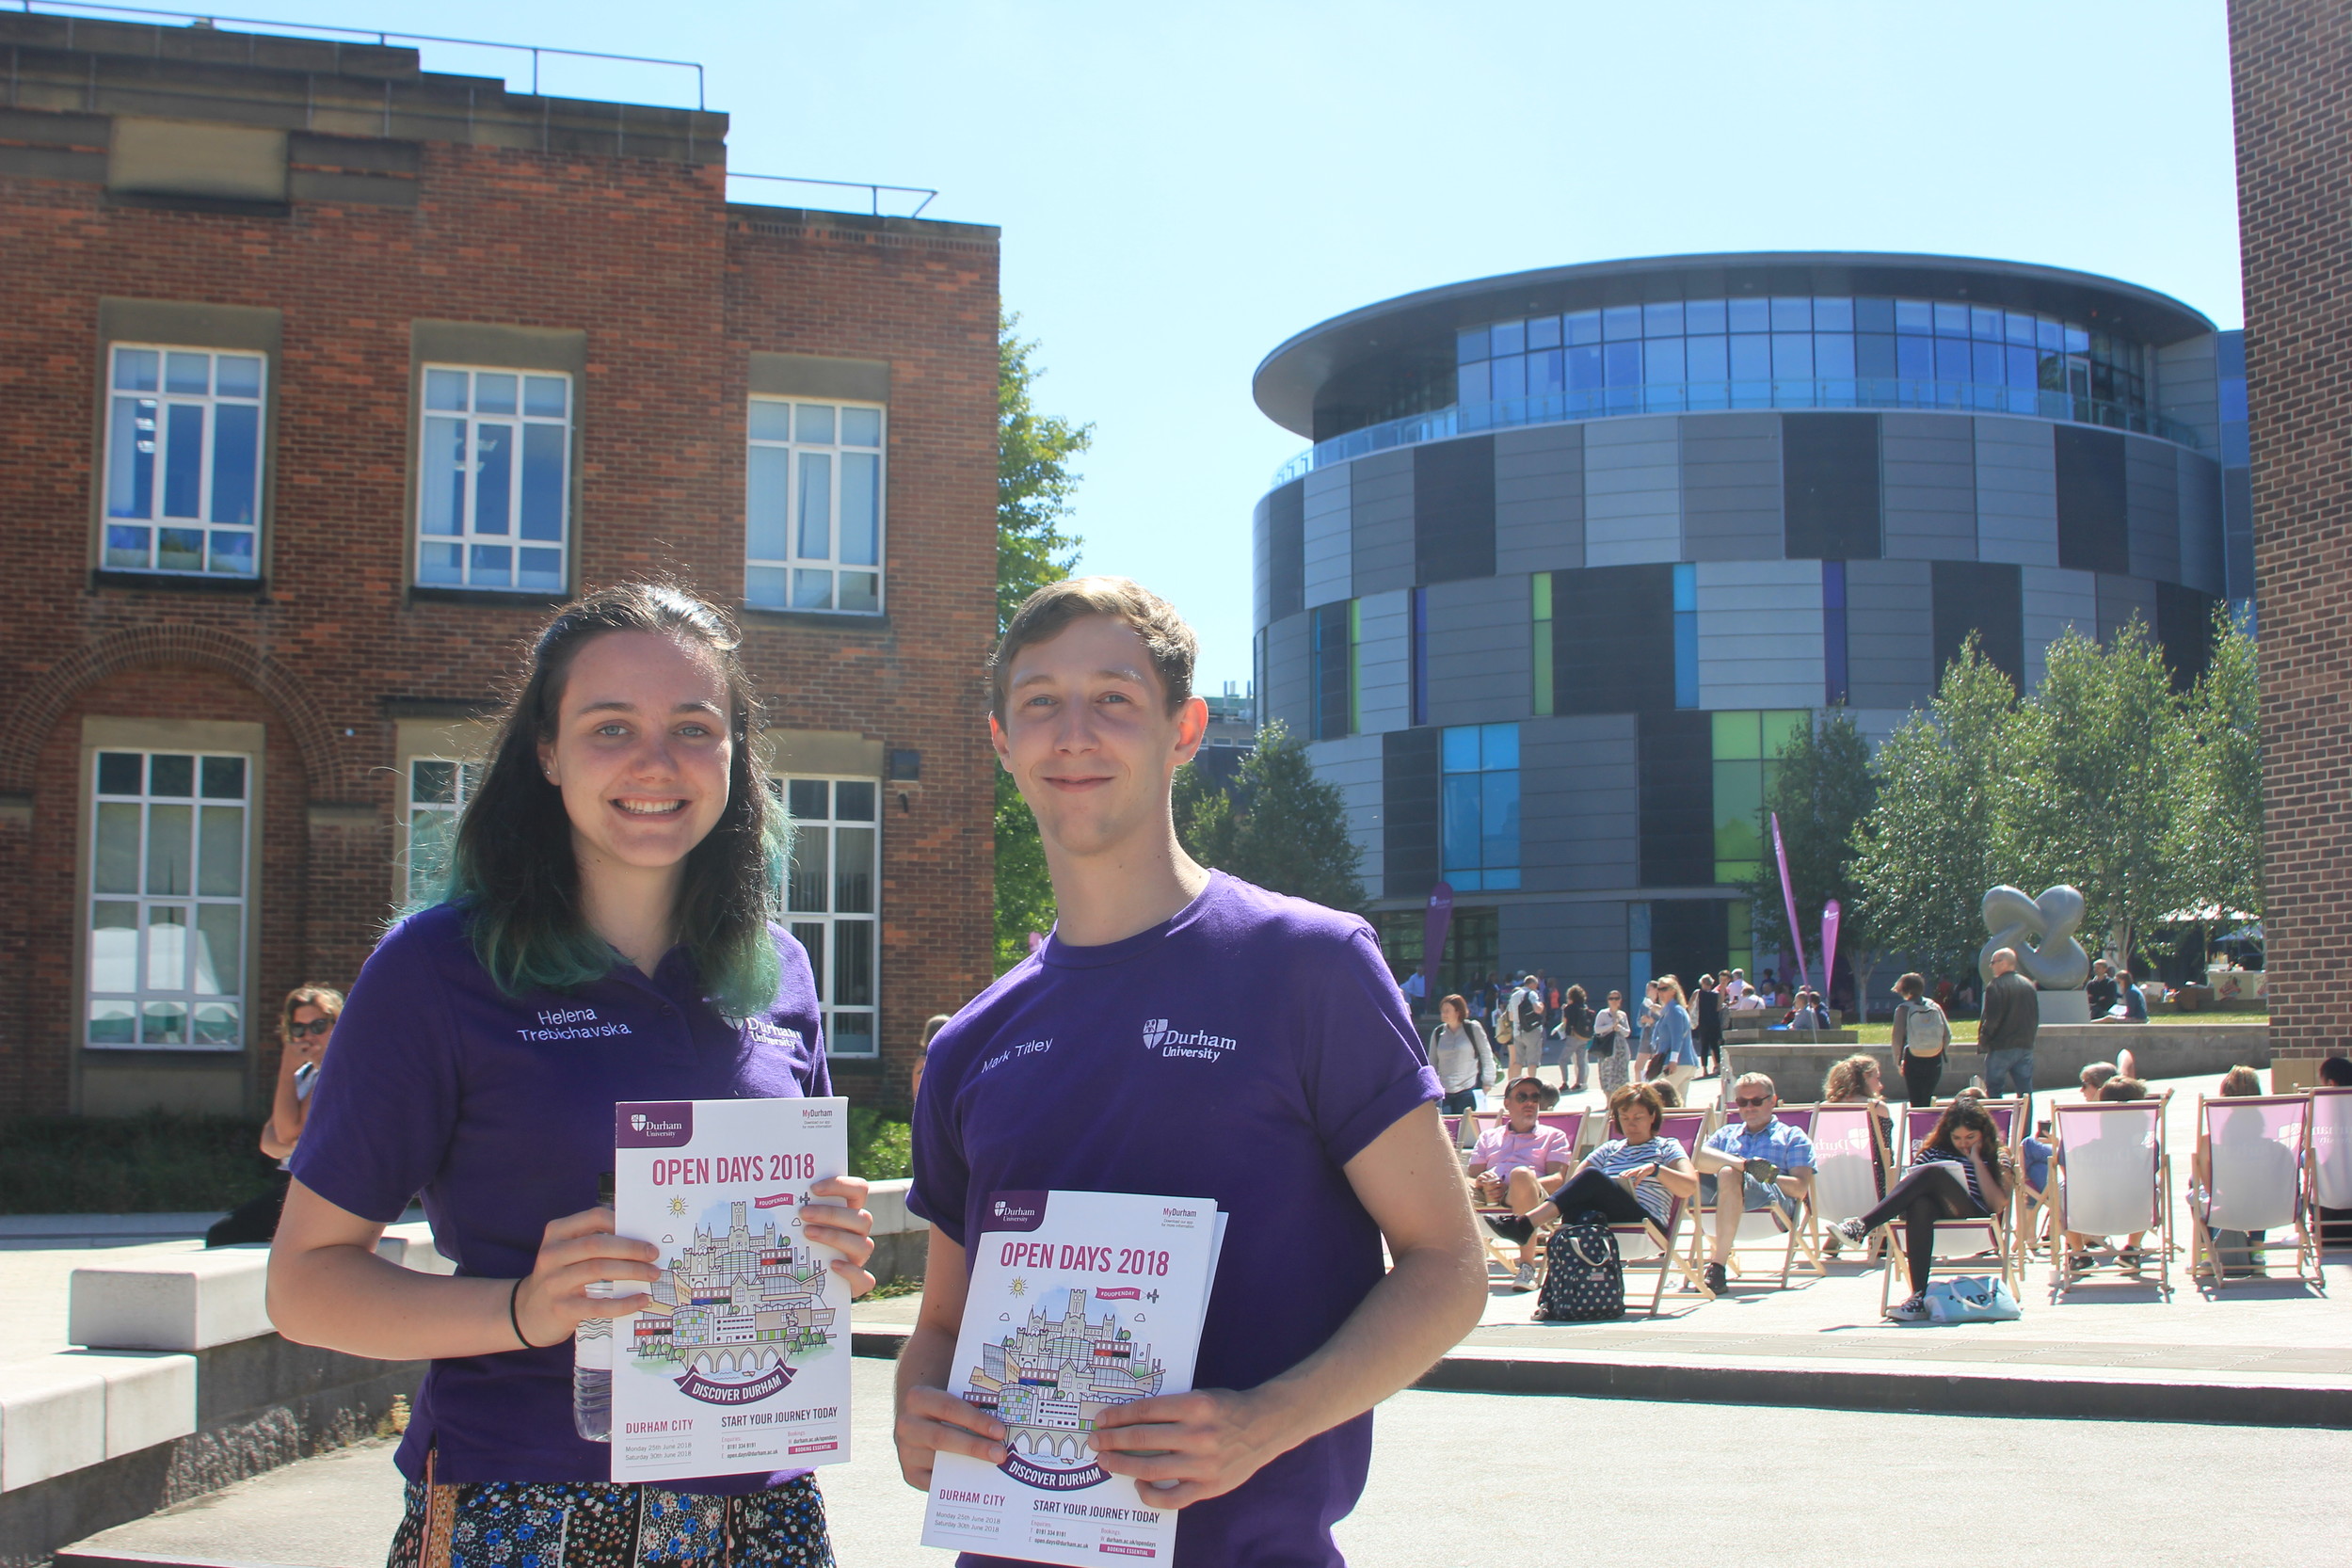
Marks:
<point>1245,1051</point>
<point>498,1110</point>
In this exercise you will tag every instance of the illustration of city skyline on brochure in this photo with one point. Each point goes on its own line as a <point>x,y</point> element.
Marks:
<point>1078,1302</point>
<point>738,1361</point>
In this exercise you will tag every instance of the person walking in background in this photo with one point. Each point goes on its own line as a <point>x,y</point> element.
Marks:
<point>1463,1060</point>
<point>1922,1035</point>
<point>1523,1016</point>
<point>306,1020</point>
<point>1672,1038</point>
<point>1710,1024</point>
<point>1612,1045</point>
<point>1574,1030</point>
<point>2013,1015</point>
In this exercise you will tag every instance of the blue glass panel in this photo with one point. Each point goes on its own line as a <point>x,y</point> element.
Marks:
<point>233,552</point>
<point>1989,363</point>
<point>1750,315</point>
<point>1464,881</point>
<point>135,369</point>
<point>1498,812</point>
<point>183,459</point>
<point>1503,878</point>
<point>546,396</point>
<point>1470,345</point>
<point>1662,321</point>
<point>2234,399</point>
<point>236,459</point>
<point>1460,749</point>
<point>1511,337</point>
<point>1833,316</point>
<point>1685,586</point>
<point>493,566</point>
<point>493,478</point>
<point>1706,359</point>
<point>438,564</point>
<point>1702,316</point>
<point>494,392</point>
<point>1584,369</point>
<point>861,509</point>
<point>1752,356</point>
<point>1792,356</point>
<point>1546,372</point>
<point>1874,315</point>
<point>542,571</point>
<point>1834,584</point>
<point>816,509</point>
<point>771,422</point>
<point>1460,812</point>
<point>2025,367</point>
<point>188,372</point>
<point>543,481</point>
<point>126,547</point>
<point>131,458</point>
<point>861,427</point>
<point>767,496</point>
<point>1508,375</point>
<point>1470,383</point>
<point>1624,363</point>
<point>239,375</point>
<point>1951,321</point>
<point>180,549</point>
<point>1833,356</point>
<point>1498,745</point>
<point>2077,339</point>
<point>2019,328</point>
<point>444,476</point>
<point>1952,359</point>
<point>1914,357</point>
<point>812,590</point>
<point>1873,354</point>
<point>1582,327</point>
<point>1543,332</point>
<point>1984,325</point>
<point>1792,315</point>
<point>1621,321</point>
<point>445,388</point>
<point>1686,660</point>
<point>1914,315</point>
<point>1662,362</point>
<point>764,586</point>
<point>2048,334</point>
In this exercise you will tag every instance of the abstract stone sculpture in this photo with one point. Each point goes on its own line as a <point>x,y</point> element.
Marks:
<point>2041,929</point>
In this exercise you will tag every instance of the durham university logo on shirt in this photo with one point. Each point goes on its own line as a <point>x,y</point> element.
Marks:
<point>1168,1042</point>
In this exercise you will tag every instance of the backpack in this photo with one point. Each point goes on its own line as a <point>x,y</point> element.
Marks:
<point>1934,1039</point>
<point>1504,1033</point>
<point>1584,1281</point>
<point>1528,1013</point>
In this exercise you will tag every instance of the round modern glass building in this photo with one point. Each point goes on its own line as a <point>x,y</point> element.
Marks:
<point>1574,549</point>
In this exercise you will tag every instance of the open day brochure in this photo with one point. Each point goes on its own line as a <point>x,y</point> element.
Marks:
<point>1078,1302</point>
<point>739,1363</point>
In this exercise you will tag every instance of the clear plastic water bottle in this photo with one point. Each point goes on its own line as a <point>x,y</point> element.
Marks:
<point>592,1358</point>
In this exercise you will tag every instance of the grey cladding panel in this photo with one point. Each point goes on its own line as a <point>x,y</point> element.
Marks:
<point>1890,633</point>
<point>1928,464</point>
<point>1454,509</point>
<point>1731,486</point>
<point>1285,550</point>
<point>1580,806</point>
<point>2199,479</point>
<point>1581,942</point>
<point>1539,499</point>
<point>2151,487</point>
<point>1288,672</point>
<point>1408,812</point>
<point>2121,598</point>
<point>1480,650</point>
<point>1381,492</point>
<point>810,376</point>
<point>1261,563</point>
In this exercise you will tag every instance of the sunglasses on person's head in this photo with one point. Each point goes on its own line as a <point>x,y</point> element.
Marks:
<point>316,1026</point>
<point>1746,1101</point>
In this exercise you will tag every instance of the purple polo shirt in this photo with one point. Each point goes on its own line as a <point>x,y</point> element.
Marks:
<point>1245,1051</point>
<point>498,1110</point>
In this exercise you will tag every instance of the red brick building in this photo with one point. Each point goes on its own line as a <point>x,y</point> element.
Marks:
<point>2290,61</point>
<point>321,379</point>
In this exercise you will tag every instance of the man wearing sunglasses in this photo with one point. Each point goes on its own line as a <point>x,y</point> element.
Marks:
<point>1772,1160</point>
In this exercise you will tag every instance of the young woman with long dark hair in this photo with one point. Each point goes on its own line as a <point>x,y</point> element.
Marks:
<point>605,935</point>
<point>1956,1173</point>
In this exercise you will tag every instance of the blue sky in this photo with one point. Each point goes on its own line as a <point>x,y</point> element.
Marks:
<point>1182,188</point>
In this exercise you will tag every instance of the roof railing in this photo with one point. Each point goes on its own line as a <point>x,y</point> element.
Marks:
<point>873,191</point>
<point>1710,396</point>
<point>382,37</point>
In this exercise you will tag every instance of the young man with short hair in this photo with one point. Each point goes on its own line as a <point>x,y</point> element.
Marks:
<point>1182,1032</point>
<point>1740,1149</point>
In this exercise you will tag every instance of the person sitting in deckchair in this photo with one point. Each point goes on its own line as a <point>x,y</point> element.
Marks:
<point>1518,1164</point>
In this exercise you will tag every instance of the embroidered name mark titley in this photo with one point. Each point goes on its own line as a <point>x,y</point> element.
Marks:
<point>1159,1037</point>
<point>572,1023</point>
<point>1027,1047</point>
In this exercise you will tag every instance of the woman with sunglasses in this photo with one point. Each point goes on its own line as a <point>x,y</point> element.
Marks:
<point>607,935</point>
<point>305,1020</point>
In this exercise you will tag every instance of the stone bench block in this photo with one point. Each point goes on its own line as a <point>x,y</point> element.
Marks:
<point>411,1245</point>
<point>150,1396</point>
<point>178,1301</point>
<point>887,1203</point>
<point>53,1419</point>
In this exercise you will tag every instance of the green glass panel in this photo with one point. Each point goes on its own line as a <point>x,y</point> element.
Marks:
<point>220,861</point>
<point>171,841</point>
<point>114,866</point>
<point>1732,872</point>
<point>112,1023</point>
<point>166,948</point>
<point>1779,727</point>
<point>1738,811</point>
<point>1736,736</point>
<point>219,949</point>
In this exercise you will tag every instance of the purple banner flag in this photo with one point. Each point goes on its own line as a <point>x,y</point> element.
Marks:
<point>1830,913</point>
<point>1788,897</point>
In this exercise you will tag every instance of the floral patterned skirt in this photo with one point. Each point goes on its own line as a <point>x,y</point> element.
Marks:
<point>608,1525</point>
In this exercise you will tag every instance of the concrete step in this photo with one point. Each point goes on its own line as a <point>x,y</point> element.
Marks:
<point>336,1511</point>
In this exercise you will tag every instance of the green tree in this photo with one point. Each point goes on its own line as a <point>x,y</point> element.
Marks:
<point>2096,794</point>
<point>1936,836</point>
<point>2218,835</point>
<point>1821,790</point>
<point>1034,486</point>
<point>1280,826</point>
